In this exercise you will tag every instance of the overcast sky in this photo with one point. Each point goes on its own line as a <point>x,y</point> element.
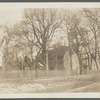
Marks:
<point>12,12</point>
<point>10,15</point>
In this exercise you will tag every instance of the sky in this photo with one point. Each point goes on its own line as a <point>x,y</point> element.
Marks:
<point>10,16</point>
<point>11,13</point>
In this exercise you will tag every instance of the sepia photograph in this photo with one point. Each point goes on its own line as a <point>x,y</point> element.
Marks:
<point>49,48</point>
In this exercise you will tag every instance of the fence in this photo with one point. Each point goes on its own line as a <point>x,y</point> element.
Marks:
<point>33,74</point>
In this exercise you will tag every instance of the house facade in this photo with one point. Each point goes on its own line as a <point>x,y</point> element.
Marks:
<point>55,58</point>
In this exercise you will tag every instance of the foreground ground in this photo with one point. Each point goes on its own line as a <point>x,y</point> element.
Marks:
<point>80,83</point>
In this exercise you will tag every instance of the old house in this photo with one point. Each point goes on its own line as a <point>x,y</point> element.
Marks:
<point>59,58</point>
<point>55,58</point>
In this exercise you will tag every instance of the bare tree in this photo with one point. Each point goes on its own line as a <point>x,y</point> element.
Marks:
<point>25,42</point>
<point>43,23</point>
<point>75,35</point>
<point>92,16</point>
<point>5,47</point>
<point>67,24</point>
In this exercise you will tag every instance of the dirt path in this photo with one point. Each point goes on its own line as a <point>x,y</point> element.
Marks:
<point>91,84</point>
<point>89,88</point>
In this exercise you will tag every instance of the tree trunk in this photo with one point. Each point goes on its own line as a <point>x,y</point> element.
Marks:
<point>80,67</point>
<point>56,60</point>
<point>3,64</point>
<point>95,58</point>
<point>36,73</point>
<point>71,62</point>
<point>96,63</point>
<point>70,49</point>
<point>99,58</point>
<point>85,70</point>
<point>31,61</point>
<point>89,62</point>
<point>46,62</point>
<point>34,64</point>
